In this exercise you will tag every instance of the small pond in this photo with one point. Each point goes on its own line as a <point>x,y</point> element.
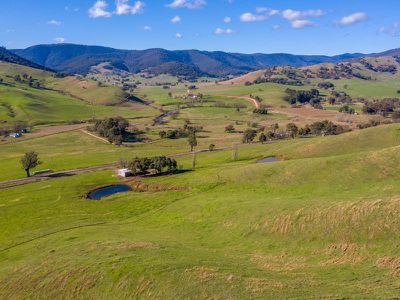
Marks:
<point>265,160</point>
<point>108,191</point>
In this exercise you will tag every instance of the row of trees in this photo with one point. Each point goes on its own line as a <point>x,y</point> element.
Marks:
<point>274,132</point>
<point>142,166</point>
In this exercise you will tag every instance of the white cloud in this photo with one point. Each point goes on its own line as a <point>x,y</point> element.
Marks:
<point>297,24</point>
<point>176,20</point>
<point>220,31</point>
<point>54,22</point>
<point>276,27</point>
<point>227,20</point>
<point>353,18</point>
<point>291,15</point>
<point>123,7</point>
<point>249,17</point>
<point>98,10</point>
<point>190,4</point>
<point>147,28</point>
<point>59,40</point>
<point>178,35</point>
<point>267,11</point>
<point>263,13</point>
<point>298,19</point>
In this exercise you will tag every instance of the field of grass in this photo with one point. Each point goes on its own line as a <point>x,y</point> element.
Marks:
<point>322,223</point>
<point>61,100</point>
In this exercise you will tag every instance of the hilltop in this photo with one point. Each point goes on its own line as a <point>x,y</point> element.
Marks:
<point>79,59</point>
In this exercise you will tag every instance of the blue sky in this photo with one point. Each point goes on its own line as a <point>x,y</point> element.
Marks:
<point>248,26</point>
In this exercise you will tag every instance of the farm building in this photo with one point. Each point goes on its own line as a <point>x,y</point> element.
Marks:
<point>124,172</point>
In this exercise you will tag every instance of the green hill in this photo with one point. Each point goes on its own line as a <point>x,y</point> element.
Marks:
<point>321,224</point>
<point>41,97</point>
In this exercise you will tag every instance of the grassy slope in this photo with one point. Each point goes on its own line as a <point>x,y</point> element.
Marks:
<point>44,106</point>
<point>84,89</point>
<point>321,225</point>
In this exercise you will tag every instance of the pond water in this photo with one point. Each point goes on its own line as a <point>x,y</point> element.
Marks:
<point>267,160</point>
<point>108,191</point>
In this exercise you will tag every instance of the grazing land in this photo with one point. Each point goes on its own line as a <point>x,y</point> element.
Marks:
<point>319,222</point>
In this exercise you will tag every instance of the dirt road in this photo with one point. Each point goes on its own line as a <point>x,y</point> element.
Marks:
<point>21,181</point>
<point>249,99</point>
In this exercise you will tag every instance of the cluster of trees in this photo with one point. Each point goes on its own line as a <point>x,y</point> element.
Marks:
<point>326,85</point>
<point>178,133</point>
<point>261,111</point>
<point>312,97</point>
<point>347,110</point>
<point>339,97</point>
<point>274,132</point>
<point>17,127</point>
<point>113,129</point>
<point>229,128</point>
<point>25,78</point>
<point>142,166</point>
<point>382,107</point>
<point>380,68</point>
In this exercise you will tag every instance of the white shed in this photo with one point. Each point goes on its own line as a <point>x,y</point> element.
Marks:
<point>124,172</point>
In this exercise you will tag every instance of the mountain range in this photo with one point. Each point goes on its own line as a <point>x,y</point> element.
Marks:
<point>79,59</point>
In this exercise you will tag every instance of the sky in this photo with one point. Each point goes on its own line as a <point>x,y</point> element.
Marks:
<point>325,27</point>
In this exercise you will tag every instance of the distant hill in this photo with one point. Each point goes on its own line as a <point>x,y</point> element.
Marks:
<point>7,56</point>
<point>375,67</point>
<point>79,59</point>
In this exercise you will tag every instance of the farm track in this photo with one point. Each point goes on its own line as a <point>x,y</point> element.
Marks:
<point>248,99</point>
<point>47,131</point>
<point>95,136</point>
<point>66,173</point>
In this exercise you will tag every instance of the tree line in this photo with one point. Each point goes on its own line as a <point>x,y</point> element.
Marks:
<point>274,132</point>
<point>158,164</point>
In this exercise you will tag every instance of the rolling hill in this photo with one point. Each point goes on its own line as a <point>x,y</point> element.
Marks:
<point>78,59</point>
<point>7,56</point>
<point>376,68</point>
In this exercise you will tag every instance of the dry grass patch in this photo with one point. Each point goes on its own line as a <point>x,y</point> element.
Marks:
<point>343,254</point>
<point>392,263</point>
<point>343,221</point>
<point>203,273</point>
<point>139,186</point>
<point>64,282</point>
<point>261,285</point>
<point>279,263</point>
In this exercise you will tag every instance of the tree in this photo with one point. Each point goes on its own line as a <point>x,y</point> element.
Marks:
<point>30,161</point>
<point>292,130</point>
<point>229,128</point>
<point>249,135</point>
<point>262,138</point>
<point>192,140</point>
